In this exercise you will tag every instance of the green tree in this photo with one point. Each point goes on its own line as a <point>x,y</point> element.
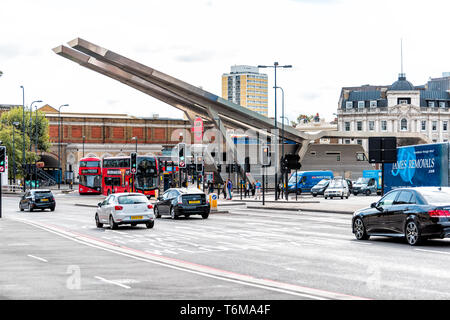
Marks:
<point>302,118</point>
<point>37,125</point>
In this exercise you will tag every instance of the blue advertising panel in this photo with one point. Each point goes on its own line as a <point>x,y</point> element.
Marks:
<point>418,166</point>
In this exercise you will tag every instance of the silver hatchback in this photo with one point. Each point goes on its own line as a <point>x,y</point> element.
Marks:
<point>125,208</point>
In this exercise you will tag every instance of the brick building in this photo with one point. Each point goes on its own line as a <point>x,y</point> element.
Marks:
<point>105,135</point>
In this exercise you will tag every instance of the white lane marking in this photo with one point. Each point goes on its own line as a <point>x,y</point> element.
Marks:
<point>194,268</point>
<point>37,258</point>
<point>112,282</point>
<point>433,251</point>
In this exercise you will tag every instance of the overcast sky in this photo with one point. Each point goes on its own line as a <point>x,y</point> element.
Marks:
<point>330,43</point>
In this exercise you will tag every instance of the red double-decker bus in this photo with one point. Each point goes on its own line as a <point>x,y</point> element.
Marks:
<point>90,176</point>
<point>117,176</point>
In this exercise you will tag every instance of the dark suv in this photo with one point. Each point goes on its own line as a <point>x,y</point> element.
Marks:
<point>37,199</point>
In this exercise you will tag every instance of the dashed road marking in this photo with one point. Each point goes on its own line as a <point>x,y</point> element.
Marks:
<point>37,258</point>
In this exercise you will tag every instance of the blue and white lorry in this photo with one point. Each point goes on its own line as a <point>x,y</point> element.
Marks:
<point>418,166</point>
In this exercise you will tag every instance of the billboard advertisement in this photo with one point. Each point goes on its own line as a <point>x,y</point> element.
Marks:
<point>418,166</point>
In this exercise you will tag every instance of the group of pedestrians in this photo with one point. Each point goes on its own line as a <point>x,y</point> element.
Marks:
<point>249,188</point>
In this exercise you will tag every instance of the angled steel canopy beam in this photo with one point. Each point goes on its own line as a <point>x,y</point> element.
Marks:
<point>187,91</point>
<point>236,154</point>
<point>140,84</point>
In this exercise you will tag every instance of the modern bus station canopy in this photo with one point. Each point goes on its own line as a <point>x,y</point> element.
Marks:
<point>193,100</point>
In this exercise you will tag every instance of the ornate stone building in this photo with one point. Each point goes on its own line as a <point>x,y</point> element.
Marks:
<point>400,107</point>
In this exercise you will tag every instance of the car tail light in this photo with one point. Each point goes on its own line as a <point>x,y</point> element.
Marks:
<point>150,206</point>
<point>118,208</point>
<point>439,213</point>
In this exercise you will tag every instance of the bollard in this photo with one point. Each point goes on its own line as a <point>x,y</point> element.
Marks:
<point>213,201</point>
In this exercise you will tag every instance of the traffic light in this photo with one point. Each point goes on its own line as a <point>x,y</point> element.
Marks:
<point>199,164</point>
<point>265,155</point>
<point>133,164</point>
<point>182,155</point>
<point>2,159</point>
<point>247,164</point>
<point>292,161</point>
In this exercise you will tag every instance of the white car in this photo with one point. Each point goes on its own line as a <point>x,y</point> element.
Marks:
<point>337,188</point>
<point>125,208</point>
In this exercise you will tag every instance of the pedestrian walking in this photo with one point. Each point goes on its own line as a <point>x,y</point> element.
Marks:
<point>230,189</point>
<point>247,189</point>
<point>253,189</point>
<point>224,190</point>
<point>258,190</point>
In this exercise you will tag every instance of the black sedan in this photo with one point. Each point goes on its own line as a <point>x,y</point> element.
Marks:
<point>416,214</point>
<point>37,199</point>
<point>319,189</point>
<point>182,202</point>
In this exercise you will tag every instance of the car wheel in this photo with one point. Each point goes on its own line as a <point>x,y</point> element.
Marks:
<point>325,197</point>
<point>150,224</point>
<point>367,192</point>
<point>412,233</point>
<point>342,197</point>
<point>112,224</point>
<point>205,215</point>
<point>20,207</point>
<point>172,213</point>
<point>31,209</point>
<point>156,211</point>
<point>355,194</point>
<point>52,209</point>
<point>97,222</point>
<point>346,197</point>
<point>314,195</point>
<point>331,197</point>
<point>360,230</point>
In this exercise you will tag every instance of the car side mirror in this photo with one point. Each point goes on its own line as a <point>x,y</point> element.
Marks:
<point>374,205</point>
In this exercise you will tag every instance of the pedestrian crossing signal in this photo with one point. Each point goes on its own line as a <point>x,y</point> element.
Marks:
<point>2,158</point>
<point>133,163</point>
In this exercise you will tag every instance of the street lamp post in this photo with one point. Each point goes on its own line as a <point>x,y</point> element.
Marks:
<point>36,144</point>
<point>13,152</point>
<point>275,66</point>
<point>31,134</point>
<point>84,137</point>
<point>23,137</point>
<point>59,145</point>
<point>282,139</point>
<point>136,142</point>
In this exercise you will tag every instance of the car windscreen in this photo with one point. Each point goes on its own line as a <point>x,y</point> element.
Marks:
<point>336,184</point>
<point>132,199</point>
<point>323,183</point>
<point>362,180</point>
<point>436,196</point>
